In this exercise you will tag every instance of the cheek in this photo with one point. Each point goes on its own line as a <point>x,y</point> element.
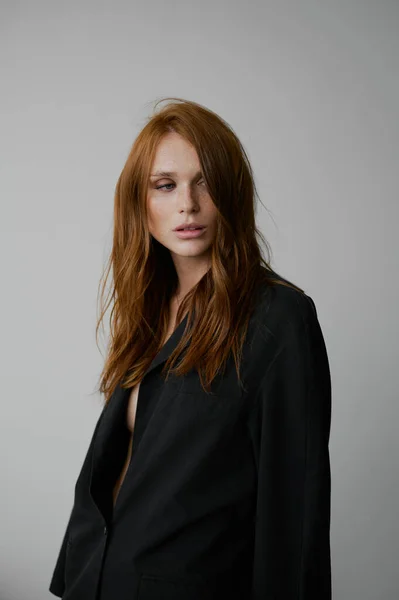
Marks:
<point>159,224</point>
<point>157,216</point>
<point>160,218</point>
<point>212,214</point>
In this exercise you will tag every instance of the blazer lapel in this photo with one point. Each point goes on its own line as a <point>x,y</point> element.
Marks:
<point>108,438</point>
<point>168,346</point>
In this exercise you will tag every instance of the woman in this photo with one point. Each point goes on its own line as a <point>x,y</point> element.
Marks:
<point>208,472</point>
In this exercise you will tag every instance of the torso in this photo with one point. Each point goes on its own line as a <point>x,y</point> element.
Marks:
<point>130,418</point>
<point>131,414</point>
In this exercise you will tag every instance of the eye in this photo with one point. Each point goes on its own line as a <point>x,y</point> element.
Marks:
<point>160,187</point>
<point>164,186</point>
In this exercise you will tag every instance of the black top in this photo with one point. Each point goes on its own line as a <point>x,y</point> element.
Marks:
<point>227,494</point>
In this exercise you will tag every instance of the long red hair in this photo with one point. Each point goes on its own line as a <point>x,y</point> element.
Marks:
<point>143,275</point>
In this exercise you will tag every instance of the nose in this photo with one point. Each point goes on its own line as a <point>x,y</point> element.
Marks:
<point>187,197</point>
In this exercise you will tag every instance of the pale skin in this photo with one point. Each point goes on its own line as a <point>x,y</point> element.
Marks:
<point>172,200</point>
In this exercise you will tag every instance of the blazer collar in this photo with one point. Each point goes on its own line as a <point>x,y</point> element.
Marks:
<point>168,346</point>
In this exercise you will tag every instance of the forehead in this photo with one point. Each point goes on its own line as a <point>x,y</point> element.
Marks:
<point>174,156</point>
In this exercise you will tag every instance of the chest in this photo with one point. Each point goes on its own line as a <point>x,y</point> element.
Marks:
<point>131,409</point>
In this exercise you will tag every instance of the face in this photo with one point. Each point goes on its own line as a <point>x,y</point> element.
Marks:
<point>178,197</point>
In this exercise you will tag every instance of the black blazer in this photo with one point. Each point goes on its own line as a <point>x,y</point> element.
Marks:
<point>227,494</point>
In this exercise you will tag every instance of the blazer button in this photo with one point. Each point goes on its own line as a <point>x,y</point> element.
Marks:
<point>105,530</point>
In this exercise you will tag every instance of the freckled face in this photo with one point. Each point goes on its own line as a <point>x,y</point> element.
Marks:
<point>178,197</point>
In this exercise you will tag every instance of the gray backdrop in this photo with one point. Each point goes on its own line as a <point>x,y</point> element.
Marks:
<point>311,88</point>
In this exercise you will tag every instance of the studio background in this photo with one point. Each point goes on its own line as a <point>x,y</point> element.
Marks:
<point>311,89</point>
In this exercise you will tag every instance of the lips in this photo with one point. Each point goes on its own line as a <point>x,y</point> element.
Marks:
<point>189,228</point>
<point>186,234</point>
<point>186,224</point>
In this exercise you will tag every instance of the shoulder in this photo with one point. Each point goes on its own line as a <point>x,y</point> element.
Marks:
<point>285,338</point>
<point>283,324</point>
<point>282,307</point>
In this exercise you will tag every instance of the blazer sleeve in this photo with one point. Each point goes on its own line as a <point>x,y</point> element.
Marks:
<point>290,426</point>
<point>57,583</point>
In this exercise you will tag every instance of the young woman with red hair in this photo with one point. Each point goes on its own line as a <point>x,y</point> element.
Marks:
<point>208,471</point>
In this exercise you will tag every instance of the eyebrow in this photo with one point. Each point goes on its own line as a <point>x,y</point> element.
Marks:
<point>170,174</point>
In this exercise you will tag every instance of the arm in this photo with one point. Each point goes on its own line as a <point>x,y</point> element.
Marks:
<point>57,584</point>
<point>289,426</point>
